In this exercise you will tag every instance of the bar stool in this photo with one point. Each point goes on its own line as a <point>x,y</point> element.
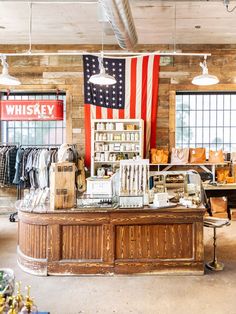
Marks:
<point>212,222</point>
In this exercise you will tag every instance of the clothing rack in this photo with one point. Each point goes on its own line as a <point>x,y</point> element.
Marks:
<point>13,144</point>
<point>9,144</point>
<point>41,145</point>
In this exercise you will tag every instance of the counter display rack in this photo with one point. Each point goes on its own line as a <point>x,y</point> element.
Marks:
<point>207,167</point>
<point>113,140</point>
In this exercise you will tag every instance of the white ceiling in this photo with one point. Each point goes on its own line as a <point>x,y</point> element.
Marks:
<point>77,23</point>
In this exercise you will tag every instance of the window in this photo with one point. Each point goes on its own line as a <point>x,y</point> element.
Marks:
<point>206,120</point>
<point>34,132</point>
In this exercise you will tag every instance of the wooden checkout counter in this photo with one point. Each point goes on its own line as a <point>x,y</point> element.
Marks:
<point>108,241</point>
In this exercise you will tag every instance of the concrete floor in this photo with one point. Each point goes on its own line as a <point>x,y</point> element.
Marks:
<point>211,293</point>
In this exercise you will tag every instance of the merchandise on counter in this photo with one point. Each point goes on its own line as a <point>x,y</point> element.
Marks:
<point>134,201</point>
<point>62,185</point>
<point>35,200</point>
<point>197,155</point>
<point>160,199</point>
<point>134,180</point>
<point>179,155</point>
<point>102,185</point>
<point>216,156</point>
<point>101,201</point>
<point>181,186</point>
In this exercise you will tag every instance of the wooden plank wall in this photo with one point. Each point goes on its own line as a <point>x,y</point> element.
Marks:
<point>47,73</point>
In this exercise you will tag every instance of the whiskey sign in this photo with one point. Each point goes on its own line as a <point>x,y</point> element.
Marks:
<point>37,110</point>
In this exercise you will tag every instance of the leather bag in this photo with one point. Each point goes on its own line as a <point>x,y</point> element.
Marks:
<point>218,204</point>
<point>222,174</point>
<point>197,155</point>
<point>216,156</point>
<point>159,156</point>
<point>179,155</point>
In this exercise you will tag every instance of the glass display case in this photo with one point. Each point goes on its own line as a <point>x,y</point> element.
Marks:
<point>183,187</point>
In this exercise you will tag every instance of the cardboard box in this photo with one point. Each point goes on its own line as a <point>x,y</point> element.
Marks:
<point>62,185</point>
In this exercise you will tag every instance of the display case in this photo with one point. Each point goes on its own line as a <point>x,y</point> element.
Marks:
<point>183,187</point>
<point>114,140</point>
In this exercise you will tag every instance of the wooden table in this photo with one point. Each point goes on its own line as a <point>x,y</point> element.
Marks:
<point>95,241</point>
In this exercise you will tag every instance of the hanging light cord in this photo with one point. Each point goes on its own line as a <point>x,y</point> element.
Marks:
<point>226,3</point>
<point>30,27</point>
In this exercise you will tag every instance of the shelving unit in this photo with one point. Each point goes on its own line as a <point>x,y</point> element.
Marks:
<point>115,139</point>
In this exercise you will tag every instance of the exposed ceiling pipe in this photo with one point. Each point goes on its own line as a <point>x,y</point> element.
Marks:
<point>119,15</point>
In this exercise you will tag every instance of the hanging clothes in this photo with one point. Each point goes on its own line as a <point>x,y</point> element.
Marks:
<point>7,164</point>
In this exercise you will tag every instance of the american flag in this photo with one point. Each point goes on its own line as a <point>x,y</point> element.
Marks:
<point>134,96</point>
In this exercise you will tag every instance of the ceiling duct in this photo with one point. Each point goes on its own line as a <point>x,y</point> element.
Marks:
<point>119,15</point>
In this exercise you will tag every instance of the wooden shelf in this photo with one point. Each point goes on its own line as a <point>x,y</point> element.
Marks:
<point>116,141</point>
<point>136,145</point>
<point>115,131</point>
<point>108,162</point>
<point>117,151</point>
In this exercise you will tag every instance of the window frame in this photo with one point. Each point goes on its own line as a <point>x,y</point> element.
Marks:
<point>213,104</point>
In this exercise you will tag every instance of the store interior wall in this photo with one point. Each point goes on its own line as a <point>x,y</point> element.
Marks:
<point>49,73</point>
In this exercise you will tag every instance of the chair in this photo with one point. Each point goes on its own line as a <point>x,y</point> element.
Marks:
<point>212,222</point>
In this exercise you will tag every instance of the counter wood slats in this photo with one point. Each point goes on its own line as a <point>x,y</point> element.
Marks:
<point>111,241</point>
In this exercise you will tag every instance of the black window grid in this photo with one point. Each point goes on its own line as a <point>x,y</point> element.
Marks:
<point>206,120</point>
<point>33,133</point>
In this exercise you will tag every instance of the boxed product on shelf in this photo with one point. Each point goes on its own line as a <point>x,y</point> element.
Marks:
<point>119,126</point>
<point>130,127</point>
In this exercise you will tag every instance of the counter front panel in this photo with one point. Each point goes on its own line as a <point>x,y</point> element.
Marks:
<point>107,242</point>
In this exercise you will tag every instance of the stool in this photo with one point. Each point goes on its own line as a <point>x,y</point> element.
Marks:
<point>212,222</point>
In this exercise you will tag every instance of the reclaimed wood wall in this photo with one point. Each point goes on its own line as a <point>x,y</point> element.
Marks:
<point>47,73</point>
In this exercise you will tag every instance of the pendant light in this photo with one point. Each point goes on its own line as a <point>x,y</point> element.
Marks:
<point>5,77</point>
<point>102,78</point>
<point>205,78</point>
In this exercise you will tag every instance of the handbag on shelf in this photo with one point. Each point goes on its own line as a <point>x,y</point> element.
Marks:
<point>233,157</point>
<point>159,156</point>
<point>179,155</point>
<point>197,155</point>
<point>222,174</point>
<point>218,204</point>
<point>216,156</point>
